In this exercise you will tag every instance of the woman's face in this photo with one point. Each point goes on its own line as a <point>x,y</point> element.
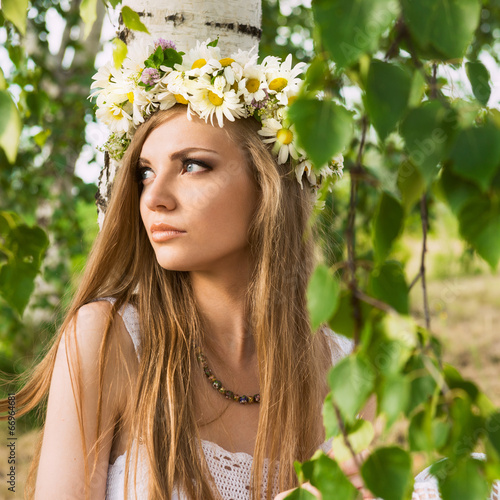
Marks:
<point>196,179</point>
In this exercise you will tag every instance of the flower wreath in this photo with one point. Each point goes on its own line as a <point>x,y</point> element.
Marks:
<point>157,76</point>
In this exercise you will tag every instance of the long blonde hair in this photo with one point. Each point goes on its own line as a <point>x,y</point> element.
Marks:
<point>292,361</point>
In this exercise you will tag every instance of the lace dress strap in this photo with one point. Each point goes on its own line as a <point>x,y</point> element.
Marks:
<point>130,318</point>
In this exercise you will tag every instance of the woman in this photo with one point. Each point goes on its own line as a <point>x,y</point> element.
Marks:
<point>224,295</point>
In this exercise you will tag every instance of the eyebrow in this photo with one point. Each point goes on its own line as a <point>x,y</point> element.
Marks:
<point>181,154</point>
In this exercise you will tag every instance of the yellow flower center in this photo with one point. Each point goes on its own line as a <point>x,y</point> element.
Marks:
<point>119,115</point>
<point>252,85</point>
<point>214,98</point>
<point>180,99</point>
<point>130,96</point>
<point>226,61</point>
<point>284,136</point>
<point>199,63</point>
<point>278,84</point>
<point>292,99</point>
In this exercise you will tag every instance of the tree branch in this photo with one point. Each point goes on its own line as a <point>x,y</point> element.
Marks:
<point>350,237</point>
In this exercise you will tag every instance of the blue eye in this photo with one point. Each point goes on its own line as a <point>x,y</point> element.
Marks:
<point>195,163</point>
<point>143,173</point>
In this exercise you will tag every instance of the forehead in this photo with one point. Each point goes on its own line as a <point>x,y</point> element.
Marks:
<point>178,132</point>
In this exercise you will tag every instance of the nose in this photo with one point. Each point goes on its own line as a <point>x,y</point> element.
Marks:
<point>159,193</point>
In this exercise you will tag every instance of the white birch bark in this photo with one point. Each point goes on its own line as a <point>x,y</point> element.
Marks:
<point>237,23</point>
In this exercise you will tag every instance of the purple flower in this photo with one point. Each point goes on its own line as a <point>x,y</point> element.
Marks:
<point>262,103</point>
<point>150,76</point>
<point>164,44</point>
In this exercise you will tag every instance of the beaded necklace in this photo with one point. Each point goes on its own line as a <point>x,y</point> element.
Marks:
<point>217,384</point>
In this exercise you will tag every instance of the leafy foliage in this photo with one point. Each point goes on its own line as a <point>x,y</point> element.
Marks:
<point>411,141</point>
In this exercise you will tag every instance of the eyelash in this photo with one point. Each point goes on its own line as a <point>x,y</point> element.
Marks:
<point>185,162</point>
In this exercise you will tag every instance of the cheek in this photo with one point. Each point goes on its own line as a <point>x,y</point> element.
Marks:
<point>225,215</point>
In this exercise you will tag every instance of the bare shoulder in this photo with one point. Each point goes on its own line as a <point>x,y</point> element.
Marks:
<point>83,340</point>
<point>88,390</point>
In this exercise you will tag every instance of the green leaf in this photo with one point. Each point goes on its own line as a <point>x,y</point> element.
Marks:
<point>351,381</point>
<point>428,131</point>
<point>132,20</point>
<point>114,3</point>
<point>301,494</point>
<point>360,436</point>
<point>411,184</point>
<point>479,78</point>
<point>387,92</point>
<point>493,429</point>
<point>16,11</point>
<point>3,83</point>
<point>476,154</point>
<point>329,479</point>
<point>342,321</point>
<point>213,43</point>
<point>351,28</point>
<point>322,296</point>
<point>88,13</point>
<point>324,128</point>
<point>119,52</point>
<point>463,481</point>
<point>457,191</point>
<point>417,89</point>
<point>422,384</point>
<point>17,282</point>
<point>330,418</point>
<point>387,473</point>
<point>442,29</point>
<point>388,283</point>
<point>479,224</point>
<point>10,126</point>
<point>393,395</point>
<point>427,432</point>
<point>387,225</point>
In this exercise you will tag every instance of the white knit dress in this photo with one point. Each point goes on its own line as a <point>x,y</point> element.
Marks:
<point>231,471</point>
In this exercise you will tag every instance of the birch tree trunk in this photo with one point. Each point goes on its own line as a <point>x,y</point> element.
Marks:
<point>237,23</point>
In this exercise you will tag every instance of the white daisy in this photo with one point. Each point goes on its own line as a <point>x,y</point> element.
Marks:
<point>281,136</point>
<point>284,78</point>
<point>200,60</point>
<point>246,57</point>
<point>207,101</point>
<point>103,78</point>
<point>133,64</point>
<point>252,84</point>
<point>115,117</point>
<point>334,168</point>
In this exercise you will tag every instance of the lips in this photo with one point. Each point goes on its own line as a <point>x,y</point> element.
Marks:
<point>161,232</point>
<point>160,226</point>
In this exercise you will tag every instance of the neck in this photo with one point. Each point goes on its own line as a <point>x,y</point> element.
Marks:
<point>221,298</point>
